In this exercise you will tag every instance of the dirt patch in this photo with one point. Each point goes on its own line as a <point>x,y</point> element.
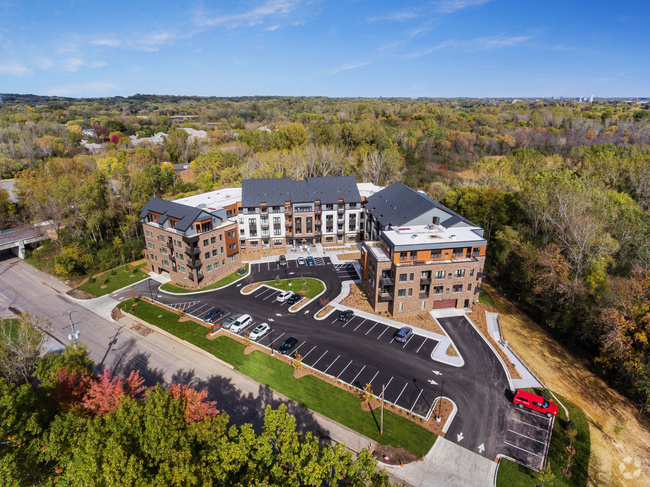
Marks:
<point>300,304</point>
<point>350,256</point>
<point>393,456</point>
<point>299,373</point>
<point>423,320</point>
<point>141,329</point>
<point>620,433</point>
<point>451,351</point>
<point>78,294</point>
<point>104,286</point>
<point>324,311</point>
<point>116,314</point>
<point>357,301</point>
<point>251,287</point>
<point>184,318</point>
<point>480,320</point>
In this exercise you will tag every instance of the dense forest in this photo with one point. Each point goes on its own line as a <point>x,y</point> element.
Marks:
<point>561,187</point>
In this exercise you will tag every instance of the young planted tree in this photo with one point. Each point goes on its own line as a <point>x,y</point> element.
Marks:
<point>21,343</point>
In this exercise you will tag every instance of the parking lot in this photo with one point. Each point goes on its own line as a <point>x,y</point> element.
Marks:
<point>527,437</point>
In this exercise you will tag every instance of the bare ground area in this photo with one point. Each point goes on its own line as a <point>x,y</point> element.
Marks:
<point>355,300</point>
<point>248,254</point>
<point>349,256</point>
<point>620,434</point>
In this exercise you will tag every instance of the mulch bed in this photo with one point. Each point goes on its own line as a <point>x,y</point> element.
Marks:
<point>393,456</point>
<point>78,294</point>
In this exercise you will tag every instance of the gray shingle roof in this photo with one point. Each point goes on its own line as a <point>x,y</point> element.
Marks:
<point>398,204</point>
<point>186,215</point>
<point>276,192</point>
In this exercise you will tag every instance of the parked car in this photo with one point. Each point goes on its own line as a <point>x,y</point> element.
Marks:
<point>228,323</point>
<point>282,260</point>
<point>242,322</point>
<point>210,316</point>
<point>310,260</point>
<point>301,261</point>
<point>346,315</point>
<point>288,345</point>
<point>260,331</point>
<point>283,296</point>
<point>404,334</point>
<point>528,400</point>
<point>293,299</point>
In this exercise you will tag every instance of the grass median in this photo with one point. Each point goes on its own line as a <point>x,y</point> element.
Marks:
<point>313,393</point>
<point>512,474</point>
<point>230,278</point>
<point>312,287</point>
<point>115,279</point>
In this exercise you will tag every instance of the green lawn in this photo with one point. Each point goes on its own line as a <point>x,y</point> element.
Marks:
<point>314,286</point>
<point>169,287</point>
<point>309,391</point>
<point>485,298</point>
<point>512,474</point>
<point>121,279</point>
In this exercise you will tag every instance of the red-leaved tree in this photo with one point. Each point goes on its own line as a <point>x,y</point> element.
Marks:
<point>115,139</point>
<point>106,394</point>
<point>196,407</point>
<point>70,389</point>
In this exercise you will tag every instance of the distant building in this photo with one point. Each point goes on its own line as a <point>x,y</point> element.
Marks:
<point>88,133</point>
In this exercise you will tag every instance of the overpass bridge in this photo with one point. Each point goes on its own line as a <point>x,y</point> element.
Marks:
<point>16,238</point>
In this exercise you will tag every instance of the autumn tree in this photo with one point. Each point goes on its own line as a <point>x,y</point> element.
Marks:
<point>21,343</point>
<point>106,394</point>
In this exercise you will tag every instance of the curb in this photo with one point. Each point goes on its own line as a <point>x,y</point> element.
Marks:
<point>208,290</point>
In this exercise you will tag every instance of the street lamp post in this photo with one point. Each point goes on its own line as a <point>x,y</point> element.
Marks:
<point>150,291</point>
<point>271,340</point>
<point>74,336</point>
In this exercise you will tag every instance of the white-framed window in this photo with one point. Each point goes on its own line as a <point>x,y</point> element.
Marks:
<point>208,267</point>
<point>423,304</point>
<point>401,293</point>
<point>401,307</point>
<point>216,264</point>
<point>232,258</point>
<point>183,269</point>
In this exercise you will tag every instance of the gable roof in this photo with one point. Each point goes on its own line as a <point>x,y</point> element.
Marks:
<point>276,192</point>
<point>398,204</point>
<point>186,215</point>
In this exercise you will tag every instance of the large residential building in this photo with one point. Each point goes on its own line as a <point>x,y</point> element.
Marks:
<point>195,246</point>
<point>281,212</point>
<point>419,255</point>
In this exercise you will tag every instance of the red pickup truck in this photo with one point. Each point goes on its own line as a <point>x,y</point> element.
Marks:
<point>525,399</point>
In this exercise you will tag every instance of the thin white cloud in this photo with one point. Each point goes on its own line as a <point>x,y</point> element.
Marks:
<point>97,64</point>
<point>106,42</point>
<point>479,43</point>
<point>254,16</point>
<point>451,6</point>
<point>346,67</point>
<point>73,64</point>
<point>498,41</point>
<point>82,90</point>
<point>431,49</point>
<point>15,69</point>
<point>272,28</point>
<point>44,63</point>
<point>395,16</point>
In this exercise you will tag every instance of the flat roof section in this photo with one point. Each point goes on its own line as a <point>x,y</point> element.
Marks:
<point>368,189</point>
<point>213,200</point>
<point>432,236</point>
<point>377,251</point>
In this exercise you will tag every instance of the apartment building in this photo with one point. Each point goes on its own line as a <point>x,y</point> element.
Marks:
<point>195,246</point>
<point>281,212</point>
<point>419,255</point>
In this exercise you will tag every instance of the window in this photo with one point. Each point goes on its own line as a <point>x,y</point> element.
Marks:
<point>471,273</point>
<point>298,222</point>
<point>460,273</point>
<point>150,245</point>
<point>216,264</point>
<point>277,242</point>
<point>221,250</point>
<point>214,252</point>
<point>205,242</point>
<point>166,262</point>
<point>457,252</point>
<point>234,246</point>
<point>424,274</point>
<point>401,293</point>
<point>230,235</point>
<point>402,278</point>
<point>469,287</point>
<point>152,257</point>
<point>277,231</point>
<point>208,267</point>
<point>179,244</point>
<point>440,274</point>
<point>242,231</point>
<point>403,255</point>
<point>223,261</point>
<point>411,276</point>
<point>206,255</point>
<point>423,304</point>
<point>476,251</point>
<point>253,244</point>
<point>232,258</point>
<point>181,256</point>
<point>457,288</point>
<point>183,269</point>
<point>414,255</point>
<point>329,239</point>
<point>401,306</point>
<point>308,224</point>
<point>436,254</point>
<point>213,240</point>
<point>221,236</point>
<point>164,250</point>
<point>438,289</point>
<point>410,291</point>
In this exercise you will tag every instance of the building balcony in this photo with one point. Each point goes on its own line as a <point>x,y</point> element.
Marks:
<point>191,276</point>
<point>478,290</point>
<point>170,245</point>
<point>425,281</point>
<point>288,211</point>
<point>423,295</point>
<point>318,211</point>
<point>192,251</point>
<point>289,234</point>
<point>197,264</point>
<point>387,281</point>
<point>172,257</point>
<point>340,210</point>
<point>384,297</point>
<point>481,275</point>
<point>199,278</point>
<point>340,232</point>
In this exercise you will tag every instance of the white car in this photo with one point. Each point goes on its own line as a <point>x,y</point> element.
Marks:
<point>283,296</point>
<point>260,331</point>
<point>242,322</point>
<point>301,261</point>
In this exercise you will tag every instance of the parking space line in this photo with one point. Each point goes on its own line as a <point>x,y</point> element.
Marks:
<point>355,378</point>
<point>269,296</point>
<point>425,341</point>
<point>335,320</point>
<point>538,441</point>
<point>268,266</point>
<point>386,386</point>
<point>531,425</point>
<point>200,307</point>
<point>299,346</point>
<point>387,327</point>
<point>224,315</point>
<point>247,326</point>
<point>309,353</point>
<point>276,339</point>
<point>523,449</point>
<point>548,420</point>
<point>348,322</point>
<point>331,365</point>
<point>400,394</point>
<point>346,367</point>
<point>392,340</point>
<point>361,324</point>
<point>408,341</point>
<point>314,364</point>
<point>371,328</point>
<point>417,398</point>
<point>374,377</point>
<point>266,290</point>
<point>209,309</point>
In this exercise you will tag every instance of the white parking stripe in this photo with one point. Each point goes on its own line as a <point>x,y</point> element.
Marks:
<point>314,364</point>
<point>268,266</point>
<point>266,290</point>
<point>523,449</point>
<point>270,296</point>
<point>299,346</point>
<point>416,399</point>
<point>346,367</point>
<point>309,352</point>
<point>355,378</point>
<point>224,315</point>
<point>425,341</point>
<point>331,365</point>
<point>200,307</point>
<point>537,415</point>
<point>386,386</point>
<point>400,394</point>
<point>361,324</point>
<point>349,321</point>
<point>374,377</point>
<point>538,441</point>
<point>531,425</point>
<point>383,332</point>
<point>335,320</point>
<point>371,328</point>
<point>407,341</point>
<point>276,339</point>
<point>247,326</point>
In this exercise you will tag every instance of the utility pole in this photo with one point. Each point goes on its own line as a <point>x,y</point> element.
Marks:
<point>271,341</point>
<point>442,388</point>
<point>74,336</point>
<point>381,429</point>
<point>150,292</point>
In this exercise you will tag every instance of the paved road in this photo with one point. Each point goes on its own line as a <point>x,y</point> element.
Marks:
<point>363,351</point>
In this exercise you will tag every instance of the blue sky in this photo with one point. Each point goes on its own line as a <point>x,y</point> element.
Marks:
<point>445,48</point>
